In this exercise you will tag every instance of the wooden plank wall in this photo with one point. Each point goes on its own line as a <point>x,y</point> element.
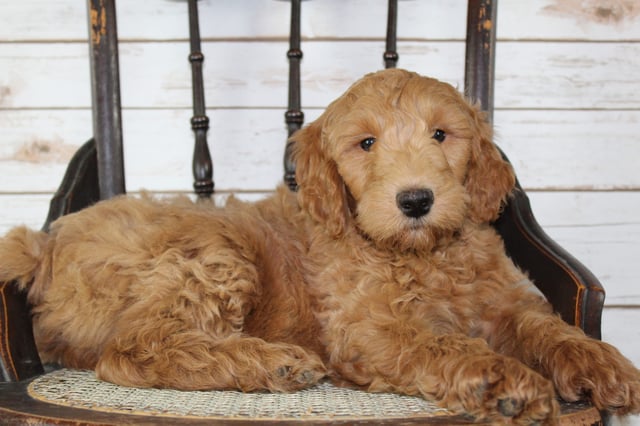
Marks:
<point>567,104</point>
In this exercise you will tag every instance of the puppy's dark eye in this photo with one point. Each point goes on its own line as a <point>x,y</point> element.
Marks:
<point>367,143</point>
<point>439,135</point>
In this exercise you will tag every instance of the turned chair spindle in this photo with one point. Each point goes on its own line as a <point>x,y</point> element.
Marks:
<point>294,117</point>
<point>202,165</point>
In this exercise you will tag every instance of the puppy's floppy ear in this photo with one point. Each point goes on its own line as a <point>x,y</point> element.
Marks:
<point>321,191</point>
<point>490,178</point>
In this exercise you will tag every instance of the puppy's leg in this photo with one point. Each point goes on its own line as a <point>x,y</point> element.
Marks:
<point>193,360</point>
<point>188,334</point>
<point>458,372</point>
<point>579,366</point>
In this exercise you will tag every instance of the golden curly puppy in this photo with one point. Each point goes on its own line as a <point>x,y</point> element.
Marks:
<point>382,272</point>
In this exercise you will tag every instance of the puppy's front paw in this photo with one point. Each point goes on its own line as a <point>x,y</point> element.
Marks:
<point>587,368</point>
<point>502,390</point>
<point>293,368</point>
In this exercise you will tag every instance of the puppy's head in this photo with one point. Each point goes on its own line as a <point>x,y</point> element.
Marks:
<point>403,158</point>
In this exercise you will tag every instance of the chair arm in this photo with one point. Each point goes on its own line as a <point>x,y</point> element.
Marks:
<point>19,358</point>
<point>575,293</point>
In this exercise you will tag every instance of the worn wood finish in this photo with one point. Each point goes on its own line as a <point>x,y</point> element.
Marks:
<point>424,19</point>
<point>105,91</point>
<point>604,235</point>
<point>534,75</point>
<point>616,328</point>
<point>480,53</point>
<point>542,145</point>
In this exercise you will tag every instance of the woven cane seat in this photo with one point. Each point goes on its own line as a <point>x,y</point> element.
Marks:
<point>69,396</point>
<point>323,402</point>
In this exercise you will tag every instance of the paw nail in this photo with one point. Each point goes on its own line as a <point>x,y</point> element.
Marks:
<point>306,377</point>
<point>283,371</point>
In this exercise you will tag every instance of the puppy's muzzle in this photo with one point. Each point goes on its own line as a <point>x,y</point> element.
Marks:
<point>415,203</point>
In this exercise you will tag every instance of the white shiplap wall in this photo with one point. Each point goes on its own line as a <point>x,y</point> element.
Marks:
<point>567,104</point>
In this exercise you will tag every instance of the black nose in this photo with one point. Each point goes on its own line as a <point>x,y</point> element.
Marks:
<point>415,203</point>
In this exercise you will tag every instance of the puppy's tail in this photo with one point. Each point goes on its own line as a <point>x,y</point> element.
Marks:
<point>22,252</point>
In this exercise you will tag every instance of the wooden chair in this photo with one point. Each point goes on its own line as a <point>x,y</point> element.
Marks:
<point>96,172</point>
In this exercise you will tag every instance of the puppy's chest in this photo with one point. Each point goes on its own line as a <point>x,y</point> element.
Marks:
<point>429,277</point>
<point>363,276</point>
<point>439,292</point>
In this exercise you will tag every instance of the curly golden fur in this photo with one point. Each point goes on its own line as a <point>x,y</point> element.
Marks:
<point>381,272</point>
